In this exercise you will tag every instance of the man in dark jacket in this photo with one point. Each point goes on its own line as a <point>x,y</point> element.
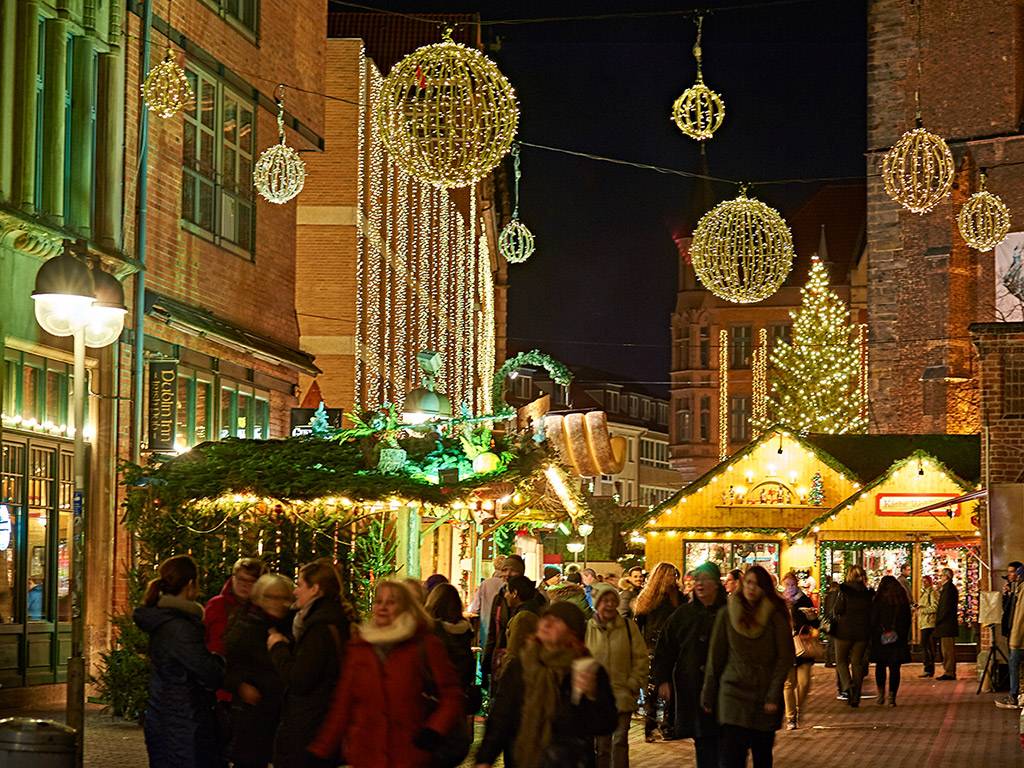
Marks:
<point>635,577</point>
<point>679,661</point>
<point>501,614</point>
<point>946,625</point>
<point>1009,596</point>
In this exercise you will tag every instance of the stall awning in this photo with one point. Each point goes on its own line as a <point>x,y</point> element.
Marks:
<point>205,324</point>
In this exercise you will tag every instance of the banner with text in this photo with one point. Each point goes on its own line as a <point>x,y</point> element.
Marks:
<point>163,404</point>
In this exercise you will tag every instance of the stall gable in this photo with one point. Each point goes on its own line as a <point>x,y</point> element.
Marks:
<point>881,508</point>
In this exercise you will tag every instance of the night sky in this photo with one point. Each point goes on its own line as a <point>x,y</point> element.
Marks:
<point>601,286</point>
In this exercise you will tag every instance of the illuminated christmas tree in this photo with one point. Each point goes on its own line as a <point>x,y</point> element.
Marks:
<point>816,381</point>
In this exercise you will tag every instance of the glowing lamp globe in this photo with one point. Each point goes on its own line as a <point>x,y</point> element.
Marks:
<point>63,295</point>
<point>486,462</point>
<point>166,90</point>
<point>516,242</point>
<point>575,546</point>
<point>984,220</point>
<point>585,529</point>
<point>699,112</point>
<point>742,250</point>
<point>106,316</point>
<point>446,114</point>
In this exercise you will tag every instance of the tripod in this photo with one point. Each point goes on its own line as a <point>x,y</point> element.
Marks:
<point>990,665</point>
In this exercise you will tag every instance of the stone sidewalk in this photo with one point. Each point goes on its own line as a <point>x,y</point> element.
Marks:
<point>935,725</point>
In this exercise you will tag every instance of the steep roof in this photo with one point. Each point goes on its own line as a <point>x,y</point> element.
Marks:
<point>870,456</point>
<point>842,210</point>
<point>388,38</point>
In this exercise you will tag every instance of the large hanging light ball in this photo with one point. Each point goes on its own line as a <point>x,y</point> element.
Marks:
<point>516,242</point>
<point>446,114</point>
<point>742,250</point>
<point>166,90</point>
<point>918,170</point>
<point>699,112</point>
<point>984,220</point>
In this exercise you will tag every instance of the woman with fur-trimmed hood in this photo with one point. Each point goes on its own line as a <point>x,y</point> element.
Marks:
<point>749,659</point>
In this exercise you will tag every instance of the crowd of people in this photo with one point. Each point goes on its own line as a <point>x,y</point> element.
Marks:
<point>278,673</point>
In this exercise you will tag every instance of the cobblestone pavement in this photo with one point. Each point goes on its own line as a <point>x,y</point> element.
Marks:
<point>935,725</point>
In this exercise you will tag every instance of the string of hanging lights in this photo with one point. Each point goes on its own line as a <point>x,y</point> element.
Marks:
<point>166,90</point>
<point>984,219</point>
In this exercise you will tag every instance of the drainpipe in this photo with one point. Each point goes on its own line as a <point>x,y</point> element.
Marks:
<point>140,246</point>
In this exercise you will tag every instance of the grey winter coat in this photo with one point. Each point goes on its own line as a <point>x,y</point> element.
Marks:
<point>747,666</point>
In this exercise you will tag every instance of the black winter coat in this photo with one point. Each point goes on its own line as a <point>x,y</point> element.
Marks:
<point>883,619</point>
<point>253,726</point>
<point>573,728</point>
<point>852,612</point>
<point>802,624</point>
<point>680,658</point>
<point>180,724</point>
<point>654,621</point>
<point>309,669</point>
<point>946,624</point>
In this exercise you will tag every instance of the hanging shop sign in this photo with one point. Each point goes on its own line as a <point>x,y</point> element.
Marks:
<point>902,504</point>
<point>163,404</point>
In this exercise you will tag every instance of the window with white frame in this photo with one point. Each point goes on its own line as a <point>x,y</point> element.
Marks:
<point>217,149</point>
<point>653,453</point>
<point>645,410</point>
<point>613,402</point>
<point>663,414</point>
<point>522,387</point>
<point>739,418</point>
<point>652,495</point>
<point>241,13</point>
<point>634,405</point>
<point>684,419</point>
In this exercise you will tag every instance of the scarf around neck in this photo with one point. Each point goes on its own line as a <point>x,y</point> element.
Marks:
<point>544,671</point>
<point>762,615</point>
<point>401,629</point>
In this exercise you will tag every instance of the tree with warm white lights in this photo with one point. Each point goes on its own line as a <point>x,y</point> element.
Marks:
<point>816,376</point>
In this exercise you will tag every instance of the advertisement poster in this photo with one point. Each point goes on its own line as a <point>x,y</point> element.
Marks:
<point>1010,279</point>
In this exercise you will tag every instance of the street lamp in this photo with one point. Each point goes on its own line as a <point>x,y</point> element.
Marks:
<point>585,530</point>
<point>575,546</point>
<point>72,300</point>
<point>425,403</point>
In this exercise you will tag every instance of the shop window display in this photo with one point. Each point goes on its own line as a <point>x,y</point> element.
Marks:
<point>963,561</point>
<point>728,555</point>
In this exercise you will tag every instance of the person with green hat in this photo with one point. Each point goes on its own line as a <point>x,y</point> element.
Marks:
<point>553,699</point>
<point>680,658</point>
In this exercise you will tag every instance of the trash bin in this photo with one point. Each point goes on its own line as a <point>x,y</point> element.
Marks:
<point>26,742</point>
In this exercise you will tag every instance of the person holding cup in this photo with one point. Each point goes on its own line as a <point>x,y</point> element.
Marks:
<point>552,701</point>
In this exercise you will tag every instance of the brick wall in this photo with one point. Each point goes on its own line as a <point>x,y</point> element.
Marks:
<point>925,286</point>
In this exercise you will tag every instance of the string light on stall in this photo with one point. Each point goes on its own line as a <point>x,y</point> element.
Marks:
<point>699,111</point>
<point>447,114</point>
<point>280,173</point>
<point>166,90</point>
<point>984,219</point>
<point>516,242</point>
<point>742,250</point>
<point>723,394</point>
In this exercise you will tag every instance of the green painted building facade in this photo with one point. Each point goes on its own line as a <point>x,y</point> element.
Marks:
<point>62,75</point>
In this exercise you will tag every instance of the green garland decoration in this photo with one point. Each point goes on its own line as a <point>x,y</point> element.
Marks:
<point>559,374</point>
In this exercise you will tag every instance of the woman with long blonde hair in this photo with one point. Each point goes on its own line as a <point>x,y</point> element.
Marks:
<point>398,696</point>
<point>654,605</point>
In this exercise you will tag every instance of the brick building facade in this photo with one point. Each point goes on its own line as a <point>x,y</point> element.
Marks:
<point>925,285</point>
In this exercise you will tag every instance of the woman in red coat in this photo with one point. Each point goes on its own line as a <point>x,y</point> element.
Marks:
<point>381,717</point>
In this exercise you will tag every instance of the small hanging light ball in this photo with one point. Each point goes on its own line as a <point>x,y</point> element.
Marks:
<point>516,242</point>
<point>918,170</point>
<point>699,112</point>
<point>742,250</point>
<point>279,173</point>
<point>166,90</point>
<point>984,220</point>
<point>447,115</point>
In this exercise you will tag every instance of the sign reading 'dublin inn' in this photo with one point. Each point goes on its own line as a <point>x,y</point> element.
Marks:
<point>163,404</point>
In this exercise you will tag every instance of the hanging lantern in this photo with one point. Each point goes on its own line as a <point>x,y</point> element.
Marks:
<point>280,173</point>
<point>516,242</point>
<point>742,250</point>
<point>166,90</point>
<point>446,113</point>
<point>699,111</point>
<point>918,170</point>
<point>984,220</point>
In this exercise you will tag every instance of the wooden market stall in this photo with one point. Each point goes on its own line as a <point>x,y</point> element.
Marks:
<point>819,503</point>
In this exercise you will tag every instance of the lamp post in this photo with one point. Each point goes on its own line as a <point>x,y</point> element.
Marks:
<point>585,530</point>
<point>88,305</point>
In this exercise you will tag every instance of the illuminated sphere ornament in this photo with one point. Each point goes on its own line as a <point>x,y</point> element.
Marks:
<point>742,250</point>
<point>918,170</point>
<point>280,173</point>
<point>446,114</point>
<point>699,111</point>
<point>166,90</point>
<point>984,220</point>
<point>516,242</point>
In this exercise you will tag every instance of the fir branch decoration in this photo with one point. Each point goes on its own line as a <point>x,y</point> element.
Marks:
<point>559,374</point>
